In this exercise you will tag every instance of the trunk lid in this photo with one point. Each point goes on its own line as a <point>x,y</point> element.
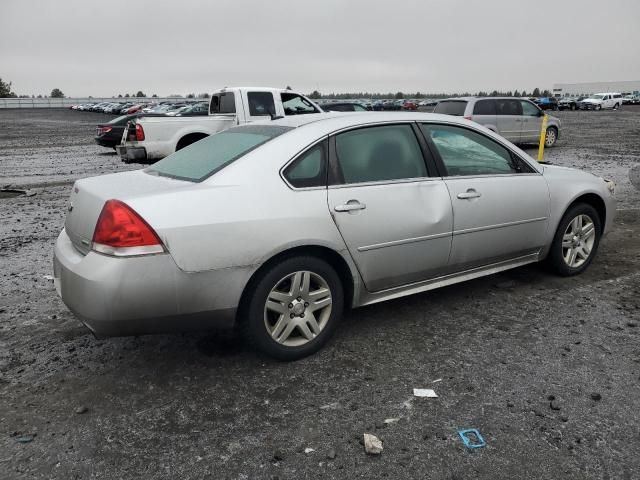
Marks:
<point>89,195</point>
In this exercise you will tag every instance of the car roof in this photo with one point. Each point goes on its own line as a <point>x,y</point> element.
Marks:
<point>331,121</point>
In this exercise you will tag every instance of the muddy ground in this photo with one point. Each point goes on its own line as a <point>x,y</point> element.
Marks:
<point>546,368</point>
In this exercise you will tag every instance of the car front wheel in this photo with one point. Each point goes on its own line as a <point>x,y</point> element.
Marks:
<point>295,308</point>
<point>576,240</point>
<point>551,137</point>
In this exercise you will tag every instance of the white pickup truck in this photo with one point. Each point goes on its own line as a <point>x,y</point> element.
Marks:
<point>152,138</point>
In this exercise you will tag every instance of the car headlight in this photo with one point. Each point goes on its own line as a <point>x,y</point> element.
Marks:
<point>611,185</point>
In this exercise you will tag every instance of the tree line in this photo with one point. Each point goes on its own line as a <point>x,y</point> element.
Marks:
<point>536,92</point>
<point>6,92</point>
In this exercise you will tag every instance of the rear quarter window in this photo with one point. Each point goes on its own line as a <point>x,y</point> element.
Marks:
<point>451,107</point>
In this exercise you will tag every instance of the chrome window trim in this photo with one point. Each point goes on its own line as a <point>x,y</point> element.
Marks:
<point>386,182</point>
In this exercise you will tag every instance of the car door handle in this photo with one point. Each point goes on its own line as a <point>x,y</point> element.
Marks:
<point>350,206</point>
<point>471,193</point>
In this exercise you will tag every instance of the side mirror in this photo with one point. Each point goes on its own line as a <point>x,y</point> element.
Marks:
<point>541,113</point>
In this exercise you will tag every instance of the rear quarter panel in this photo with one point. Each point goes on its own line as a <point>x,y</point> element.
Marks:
<point>241,216</point>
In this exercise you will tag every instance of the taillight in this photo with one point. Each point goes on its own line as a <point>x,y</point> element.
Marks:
<point>467,117</point>
<point>139,132</point>
<point>120,231</point>
<point>105,129</point>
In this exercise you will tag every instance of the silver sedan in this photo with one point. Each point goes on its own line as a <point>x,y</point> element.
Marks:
<point>278,227</point>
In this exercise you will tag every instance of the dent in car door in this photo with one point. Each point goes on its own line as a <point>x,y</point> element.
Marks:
<point>500,205</point>
<point>396,223</point>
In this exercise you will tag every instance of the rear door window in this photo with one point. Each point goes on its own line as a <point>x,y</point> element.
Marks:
<point>484,107</point>
<point>451,107</point>
<point>376,154</point>
<point>223,103</point>
<point>261,104</point>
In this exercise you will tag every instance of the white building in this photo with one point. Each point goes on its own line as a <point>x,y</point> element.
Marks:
<point>581,89</point>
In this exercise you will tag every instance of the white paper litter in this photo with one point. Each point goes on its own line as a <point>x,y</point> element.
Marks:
<point>308,450</point>
<point>372,444</point>
<point>424,392</point>
<point>391,420</point>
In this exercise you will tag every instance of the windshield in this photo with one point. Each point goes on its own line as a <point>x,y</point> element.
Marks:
<point>451,107</point>
<point>596,97</point>
<point>202,159</point>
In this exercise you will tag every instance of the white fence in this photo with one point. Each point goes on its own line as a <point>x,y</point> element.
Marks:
<point>67,102</point>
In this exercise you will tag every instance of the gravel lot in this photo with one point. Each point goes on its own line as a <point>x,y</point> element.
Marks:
<point>546,368</point>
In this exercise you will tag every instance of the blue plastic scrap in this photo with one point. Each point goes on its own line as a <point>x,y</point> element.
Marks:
<point>476,442</point>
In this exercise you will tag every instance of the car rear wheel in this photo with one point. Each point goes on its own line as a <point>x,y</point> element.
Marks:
<point>616,106</point>
<point>551,137</point>
<point>294,308</point>
<point>576,240</point>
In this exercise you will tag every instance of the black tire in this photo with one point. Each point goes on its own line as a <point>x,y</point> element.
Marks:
<point>598,107</point>
<point>573,107</point>
<point>253,320</point>
<point>555,260</point>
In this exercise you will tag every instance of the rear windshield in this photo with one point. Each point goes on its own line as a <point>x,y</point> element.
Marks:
<point>451,107</point>
<point>202,159</point>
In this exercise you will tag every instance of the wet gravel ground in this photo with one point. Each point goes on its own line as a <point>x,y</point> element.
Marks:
<point>546,368</point>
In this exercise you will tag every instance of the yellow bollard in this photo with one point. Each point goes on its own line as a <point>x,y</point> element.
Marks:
<point>543,136</point>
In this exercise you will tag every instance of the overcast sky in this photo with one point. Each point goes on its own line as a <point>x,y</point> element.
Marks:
<point>107,47</point>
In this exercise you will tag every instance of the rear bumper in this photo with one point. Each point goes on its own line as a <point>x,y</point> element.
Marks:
<point>146,294</point>
<point>131,154</point>
<point>105,142</point>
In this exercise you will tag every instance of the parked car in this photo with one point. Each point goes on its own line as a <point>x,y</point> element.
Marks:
<point>110,134</point>
<point>135,108</point>
<point>516,119</point>
<point>547,103</point>
<point>194,110</point>
<point>344,107</point>
<point>150,139</point>
<point>389,105</point>
<point>378,106</point>
<point>409,105</point>
<point>280,253</point>
<point>631,99</point>
<point>569,103</point>
<point>601,101</point>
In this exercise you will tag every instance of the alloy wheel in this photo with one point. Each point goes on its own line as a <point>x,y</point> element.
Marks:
<point>550,137</point>
<point>297,308</point>
<point>578,241</point>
